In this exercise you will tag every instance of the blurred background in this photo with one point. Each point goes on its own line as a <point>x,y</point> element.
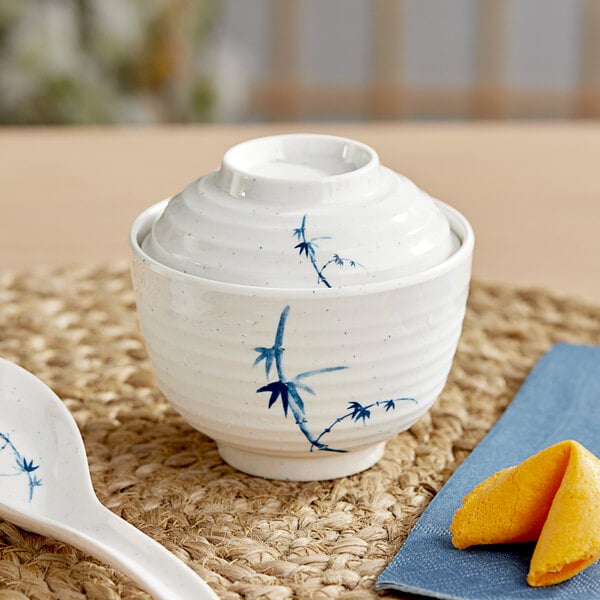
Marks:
<point>154,61</point>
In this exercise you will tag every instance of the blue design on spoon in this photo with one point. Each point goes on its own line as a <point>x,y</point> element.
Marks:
<point>22,466</point>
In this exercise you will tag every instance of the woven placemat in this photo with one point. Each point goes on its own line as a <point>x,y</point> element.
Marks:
<point>76,328</point>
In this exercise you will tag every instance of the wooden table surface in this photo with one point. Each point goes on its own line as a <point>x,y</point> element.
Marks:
<point>530,190</point>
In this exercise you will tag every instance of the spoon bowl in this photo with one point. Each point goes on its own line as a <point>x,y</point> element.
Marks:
<point>46,488</point>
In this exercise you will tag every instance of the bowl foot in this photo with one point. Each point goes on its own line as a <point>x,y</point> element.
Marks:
<point>315,466</point>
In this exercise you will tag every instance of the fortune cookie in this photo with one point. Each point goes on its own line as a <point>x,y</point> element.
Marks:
<point>552,497</point>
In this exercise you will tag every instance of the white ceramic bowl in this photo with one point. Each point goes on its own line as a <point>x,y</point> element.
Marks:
<point>302,380</point>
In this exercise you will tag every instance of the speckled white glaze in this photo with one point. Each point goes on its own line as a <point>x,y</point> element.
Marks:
<point>295,383</point>
<point>301,211</point>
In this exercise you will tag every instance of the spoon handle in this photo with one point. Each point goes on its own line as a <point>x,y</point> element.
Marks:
<point>112,539</point>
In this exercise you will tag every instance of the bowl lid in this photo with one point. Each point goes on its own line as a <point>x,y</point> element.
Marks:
<point>301,211</point>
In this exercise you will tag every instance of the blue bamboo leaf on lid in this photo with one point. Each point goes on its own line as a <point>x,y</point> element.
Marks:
<point>306,247</point>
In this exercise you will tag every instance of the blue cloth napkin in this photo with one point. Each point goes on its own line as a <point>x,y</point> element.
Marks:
<point>559,400</point>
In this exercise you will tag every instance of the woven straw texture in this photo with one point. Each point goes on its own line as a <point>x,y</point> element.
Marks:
<point>76,328</point>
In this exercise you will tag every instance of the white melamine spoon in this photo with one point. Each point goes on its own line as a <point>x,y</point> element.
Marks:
<point>45,487</point>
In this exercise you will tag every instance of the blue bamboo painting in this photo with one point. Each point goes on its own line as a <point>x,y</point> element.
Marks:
<point>22,466</point>
<point>289,391</point>
<point>307,247</point>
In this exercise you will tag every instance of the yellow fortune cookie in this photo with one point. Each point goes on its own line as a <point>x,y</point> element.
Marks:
<point>552,497</point>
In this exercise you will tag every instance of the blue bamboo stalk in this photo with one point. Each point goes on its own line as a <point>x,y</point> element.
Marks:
<point>287,389</point>
<point>351,413</point>
<point>295,403</point>
<point>278,344</point>
<point>339,260</point>
<point>311,255</point>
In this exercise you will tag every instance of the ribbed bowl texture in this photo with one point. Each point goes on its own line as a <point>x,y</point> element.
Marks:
<point>301,383</point>
<point>301,211</point>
